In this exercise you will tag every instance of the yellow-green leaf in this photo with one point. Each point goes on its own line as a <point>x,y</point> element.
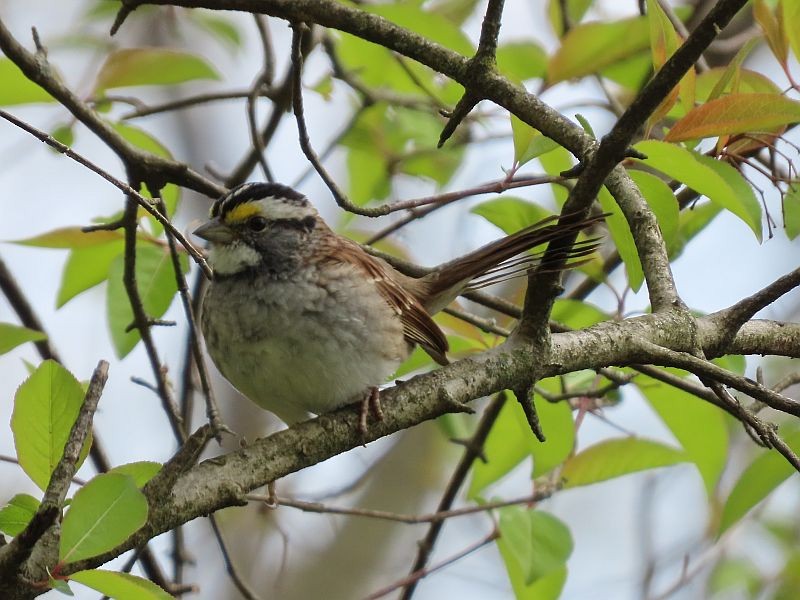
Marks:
<point>70,237</point>
<point>86,268</point>
<point>791,211</point>
<point>617,457</point>
<point>698,426</point>
<point>151,66</point>
<point>510,214</point>
<point>717,180</point>
<point>623,239</point>
<point>120,586</point>
<point>535,540</point>
<point>15,88</point>
<point>45,408</point>
<point>103,514</point>
<point>12,336</point>
<point>759,479</point>
<point>529,143</point>
<point>591,47</point>
<point>15,516</point>
<point>157,288</point>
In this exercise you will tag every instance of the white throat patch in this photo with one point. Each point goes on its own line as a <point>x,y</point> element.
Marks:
<point>228,259</point>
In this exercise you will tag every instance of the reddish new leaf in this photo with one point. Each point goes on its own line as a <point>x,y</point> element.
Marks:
<point>736,113</point>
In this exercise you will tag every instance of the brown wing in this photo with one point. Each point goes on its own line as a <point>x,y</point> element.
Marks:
<point>418,327</point>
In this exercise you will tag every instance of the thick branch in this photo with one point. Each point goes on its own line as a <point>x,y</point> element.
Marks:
<point>226,480</point>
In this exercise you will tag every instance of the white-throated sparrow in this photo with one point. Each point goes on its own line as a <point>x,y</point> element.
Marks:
<point>302,320</point>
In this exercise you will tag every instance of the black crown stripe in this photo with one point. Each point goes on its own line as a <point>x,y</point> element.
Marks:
<point>247,192</point>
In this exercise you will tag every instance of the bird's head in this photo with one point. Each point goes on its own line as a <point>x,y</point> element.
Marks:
<point>258,226</point>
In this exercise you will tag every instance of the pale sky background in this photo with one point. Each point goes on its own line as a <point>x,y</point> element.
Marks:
<point>40,190</point>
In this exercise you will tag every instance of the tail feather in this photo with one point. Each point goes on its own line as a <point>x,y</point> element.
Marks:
<point>496,262</point>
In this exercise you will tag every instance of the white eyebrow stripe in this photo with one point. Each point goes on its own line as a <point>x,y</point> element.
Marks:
<point>274,208</point>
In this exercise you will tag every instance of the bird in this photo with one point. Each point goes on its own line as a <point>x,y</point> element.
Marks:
<point>302,320</point>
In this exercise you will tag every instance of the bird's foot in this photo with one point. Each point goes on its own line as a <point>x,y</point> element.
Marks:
<point>371,403</point>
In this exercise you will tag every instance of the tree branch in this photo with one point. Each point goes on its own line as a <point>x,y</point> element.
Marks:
<point>150,166</point>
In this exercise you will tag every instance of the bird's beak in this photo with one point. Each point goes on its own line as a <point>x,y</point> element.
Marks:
<point>215,231</point>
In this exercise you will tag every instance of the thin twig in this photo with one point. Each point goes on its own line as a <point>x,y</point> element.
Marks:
<point>121,185</point>
<point>482,63</point>
<point>97,453</point>
<point>437,201</point>
<point>241,585</point>
<point>199,99</point>
<point>212,411</point>
<point>474,449</point>
<point>154,167</point>
<point>412,579</point>
<point>140,318</point>
<point>321,508</point>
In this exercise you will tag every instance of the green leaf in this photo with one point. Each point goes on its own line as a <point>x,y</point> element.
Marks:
<point>170,193</point>
<point>555,163</point>
<point>151,66</point>
<point>590,47</point>
<point>529,143</point>
<point>727,75</point>
<point>220,27</point>
<point>559,430</point>
<point>511,441</point>
<point>585,124</point>
<point>791,17</point>
<point>103,514</point>
<point>456,11</point>
<point>384,141</point>
<point>617,457</point>
<point>71,237</point>
<point>631,73</point>
<point>508,444</point>
<point>141,139</point>
<point>15,516</point>
<point>157,288</point>
<point>663,203</point>
<point>759,479</point>
<point>698,426</point>
<point>12,336</point>
<point>732,362</point>
<point>141,472</point>
<point>538,542</point>
<point>64,134</point>
<point>548,587</point>
<point>623,239</point>
<point>577,314</point>
<point>766,15</point>
<point>714,82</point>
<point>575,11</point>
<point>60,586</point>
<point>368,177</point>
<point>509,213</point>
<point>427,24</point>
<point>735,574</point>
<point>520,61</point>
<point>718,181</point>
<point>437,165</point>
<point>120,586</point>
<point>45,408</point>
<point>791,211</point>
<point>16,88</point>
<point>86,268</point>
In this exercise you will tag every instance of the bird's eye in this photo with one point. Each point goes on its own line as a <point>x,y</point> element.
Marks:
<point>256,223</point>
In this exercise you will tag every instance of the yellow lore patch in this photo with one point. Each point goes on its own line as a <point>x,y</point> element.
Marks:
<point>240,213</point>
